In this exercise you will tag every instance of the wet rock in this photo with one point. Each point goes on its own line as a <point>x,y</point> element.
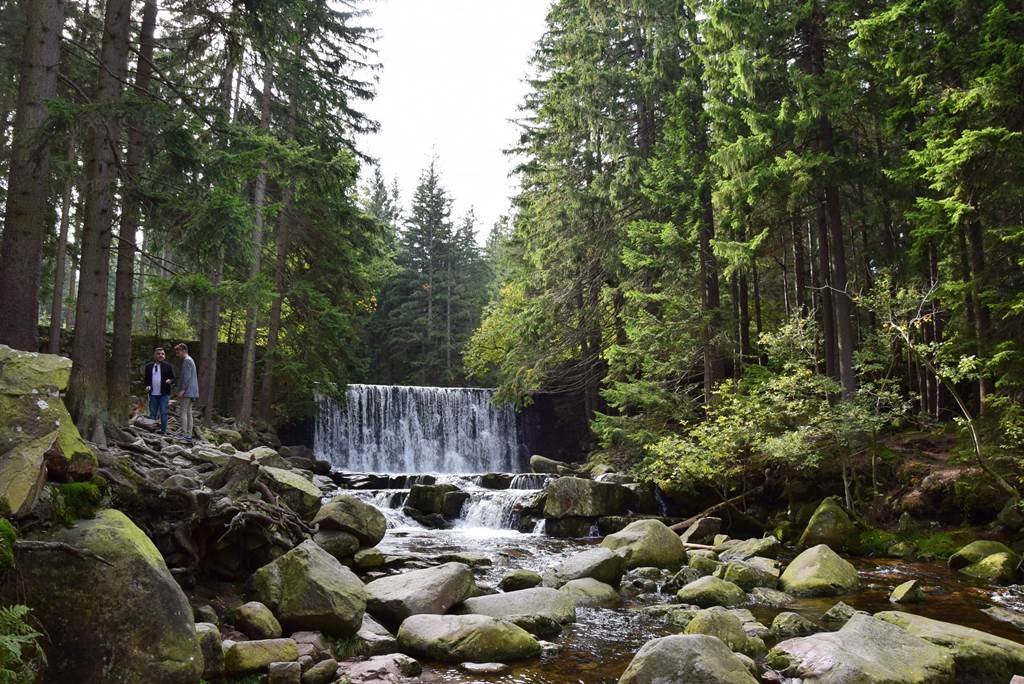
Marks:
<point>519,579</point>
<point>866,649</point>
<point>254,620</point>
<point>429,498</point>
<point>483,668</point>
<point>830,525</point>
<point>540,626</point>
<point>460,638</point>
<point>1013,617</point>
<point>647,542</point>
<point>394,667</point>
<point>433,521</point>
<point>787,625</point>
<point>998,568</point>
<point>908,592</point>
<point>243,657</point>
<point>346,513</point>
<point>452,503</point>
<point>976,551</point>
<point>711,591</point>
<point>599,562</point>
<point>979,657</point>
<point>339,544</point>
<point>770,597</point>
<point>579,498</point>
<point>473,560</point>
<point>755,572</point>
<point>284,673</point>
<point>719,622</point>
<point>377,640</point>
<point>542,601</point>
<point>704,563</point>
<point>838,615</point>
<point>569,527</point>
<point>819,571</point>
<point>702,531</point>
<point>766,547</point>
<point>686,659</point>
<point>368,559</point>
<point>307,588</point>
<point>589,593</point>
<point>541,464</point>
<point>495,480</point>
<point>130,616</point>
<point>680,580</point>
<point>212,649</point>
<point>431,590</point>
<point>324,672</point>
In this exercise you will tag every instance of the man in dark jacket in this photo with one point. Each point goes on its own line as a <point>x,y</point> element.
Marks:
<point>158,378</point>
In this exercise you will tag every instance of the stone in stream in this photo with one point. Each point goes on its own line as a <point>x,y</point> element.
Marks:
<point>865,650</point>
<point>771,597</point>
<point>766,547</point>
<point>307,588</point>
<point>979,657</point>
<point>702,530</point>
<point>243,657</point>
<point>711,591</point>
<point>830,525</point>
<point>346,513</point>
<point>1013,617</point>
<point>460,638</point>
<point>819,571</point>
<point>254,620</point>
<point>339,544</point>
<point>542,464</point>
<point>587,592</point>
<point>721,623</point>
<point>377,640</point>
<point>976,551</point>
<point>998,568</point>
<point>686,659</point>
<point>704,563</point>
<point>519,579</point>
<point>680,580</point>
<point>575,497</point>
<point>753,572</point>
<point>838,615</point>
<point>431,590</point>
<point>787,625</point>
<point>128,617</point>
<point>647,542</point>
<point>394,667</point>
<point>495,480</point>
<point>539,601</point>
<point>483,668</point>
<point>452,503</point>
<point>429,498</point>
<point>908,592</point>
<point>598,562</point>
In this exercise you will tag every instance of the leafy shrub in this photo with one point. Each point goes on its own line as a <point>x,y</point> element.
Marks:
<point>20,653</point>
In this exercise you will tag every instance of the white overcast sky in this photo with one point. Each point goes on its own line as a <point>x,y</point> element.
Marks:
<point>452,77</point>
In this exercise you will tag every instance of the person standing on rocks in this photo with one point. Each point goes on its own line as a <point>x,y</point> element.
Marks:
<point>188,390</point>
<point>158,378</point>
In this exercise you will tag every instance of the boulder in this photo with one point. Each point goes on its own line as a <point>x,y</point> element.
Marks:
<point>339,544</point>
<point>380,669</point>
<point>284,673</point>
<point>598,562</point>
<point>702,531</point>
<point>429,498</point>
<point>301,495</point>
<point>459,638</point>
<point>495,480</point>
<point>647,542</point>
<point>587,592</point>
<point>577,497</point>
<point>254,620</point>
<point>908,592</point>
<point>242,657</point>
<point>208,636</point>
<point>307,588</point>
<point>324,672</point>
<point>830,525</point>
<point>754,572</point>
<point>999,568</point>
<point>787,625</point>
<point>765,547</point>
<point>819,571</point>
<point>979,657</point>
<point>452,503</point>
<point>976,551</point>
<point>686,659</point>
<point>838,615</point>
<point>539,601</point>
<point>569,527</point>
<point>540,464</point>
<point>770,597</point>
<point>711,591</point>
<point>1012,617</point>
<point>519,579</point>
<point>128,617</point>
<point>719,622</point>
<point>346,513</point>
<point>865,650</point>
<point>376,639</point>
<point>431,590</point>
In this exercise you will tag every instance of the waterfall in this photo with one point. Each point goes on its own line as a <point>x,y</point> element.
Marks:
<point>399,429</point>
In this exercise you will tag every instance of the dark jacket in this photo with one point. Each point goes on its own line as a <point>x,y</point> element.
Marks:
<point>166,376</point>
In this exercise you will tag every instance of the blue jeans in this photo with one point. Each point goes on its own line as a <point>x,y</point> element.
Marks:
<point>158,404</point>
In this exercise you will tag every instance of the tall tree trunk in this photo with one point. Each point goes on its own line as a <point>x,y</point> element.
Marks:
<point>824,286</point>
<point>60,259</point>
<point>119,370</point>
<point>982,316</point>
<point>714,364</point>
<point>28,180</point>
<point>799,269</point>
<point>252,311</point>
<point>274,324</point>
<point>87,390</point>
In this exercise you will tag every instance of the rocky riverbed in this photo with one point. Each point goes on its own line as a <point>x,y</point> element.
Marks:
<point>236,559</point>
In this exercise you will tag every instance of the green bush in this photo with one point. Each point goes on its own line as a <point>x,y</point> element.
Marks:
<point>20,653</point>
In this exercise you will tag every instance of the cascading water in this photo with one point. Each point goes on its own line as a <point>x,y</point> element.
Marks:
<point>401,429</point>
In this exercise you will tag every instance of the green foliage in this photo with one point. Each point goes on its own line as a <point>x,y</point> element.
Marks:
<point>349,647</point>
<point>76,500</point>
<point>8,535</point>
<point>20,652</point>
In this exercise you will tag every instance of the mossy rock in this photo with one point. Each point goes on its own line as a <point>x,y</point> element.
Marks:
<point>29,373</point>
<point>998,568</point>
<point>77,500</point>
<point>711,591</point>
<point>462,638</point>
<point>830,525</point>
<point>719,622</point>
<point>819,571</point>
<point>976,551</point>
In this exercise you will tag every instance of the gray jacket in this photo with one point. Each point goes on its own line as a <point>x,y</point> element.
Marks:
<point>188,383</point>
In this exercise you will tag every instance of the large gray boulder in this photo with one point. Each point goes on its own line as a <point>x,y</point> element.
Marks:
<point>711,591</point>
<point>819,571</point>
<point>866,650</point>
<point>579,498</point>
<point>514,605</point>
<point>346,513</point>
<point>765,547</point>
<point>308,589</point>
<point>598,562</point>
<point>461,638</point>
<point>976,551</point>
<point>830,525</point>
<point>125,622</point>
<point>647,543</point>
<point>724,624</point>
<point>979,657</point>
<point>587,592</point>
<point>686,659</point>
<point>431,590</point>
<point>542,464</point>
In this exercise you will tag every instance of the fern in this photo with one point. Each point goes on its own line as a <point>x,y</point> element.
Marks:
<point>19,646</point>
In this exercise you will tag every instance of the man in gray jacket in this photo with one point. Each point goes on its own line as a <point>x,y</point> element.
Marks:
<point>188,390</point>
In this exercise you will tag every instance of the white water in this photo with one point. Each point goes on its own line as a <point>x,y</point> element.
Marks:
<point>401,429</point>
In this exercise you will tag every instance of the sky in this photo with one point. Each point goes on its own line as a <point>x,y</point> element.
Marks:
<point>452,77</point>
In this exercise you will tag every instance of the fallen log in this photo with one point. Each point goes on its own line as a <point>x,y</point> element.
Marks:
<point>710,510</point>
